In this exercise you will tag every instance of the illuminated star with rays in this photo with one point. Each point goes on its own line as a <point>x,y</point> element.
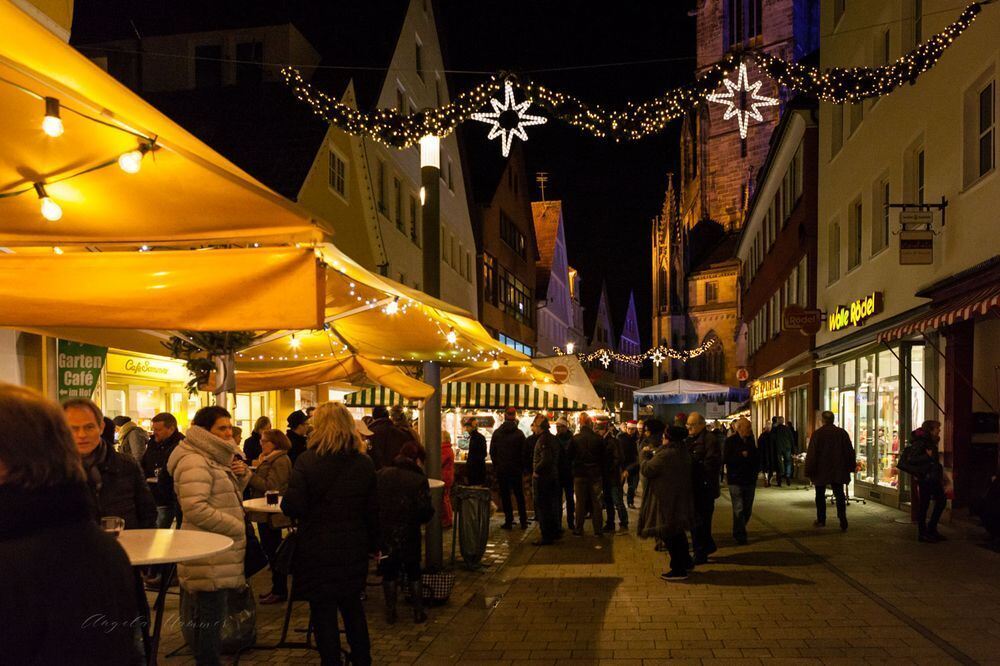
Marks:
<point>505,130</point>
<point>743,107</point>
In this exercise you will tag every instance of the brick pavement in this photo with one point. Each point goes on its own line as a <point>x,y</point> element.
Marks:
<point>795,595</point>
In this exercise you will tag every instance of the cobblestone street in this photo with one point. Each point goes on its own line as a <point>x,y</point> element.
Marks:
<point>795,594</point>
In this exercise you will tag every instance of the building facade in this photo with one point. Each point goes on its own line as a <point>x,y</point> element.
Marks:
<point>906,342</point>
<point>627,374</point>
<point>777,253</point>
<point>557,284</point>
<point>603,377</point>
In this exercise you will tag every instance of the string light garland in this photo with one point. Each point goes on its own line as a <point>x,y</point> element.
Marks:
<point>635,120</point>
<point>657,355</point>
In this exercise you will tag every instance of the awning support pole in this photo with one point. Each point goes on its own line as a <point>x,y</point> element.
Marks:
<point>960,375</point>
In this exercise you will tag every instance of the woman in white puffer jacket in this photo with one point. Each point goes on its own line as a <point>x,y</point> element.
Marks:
<point>209,482</point>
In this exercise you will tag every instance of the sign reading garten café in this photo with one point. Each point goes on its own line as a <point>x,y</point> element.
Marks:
<point>856,313</point>
<point>79,368</point>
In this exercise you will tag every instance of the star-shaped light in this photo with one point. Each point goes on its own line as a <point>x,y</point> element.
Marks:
<point>735,102</point>
<point>656,357</point>
<point>507,134</point>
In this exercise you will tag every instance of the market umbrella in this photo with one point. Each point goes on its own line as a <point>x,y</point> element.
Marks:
<point>686,392</point>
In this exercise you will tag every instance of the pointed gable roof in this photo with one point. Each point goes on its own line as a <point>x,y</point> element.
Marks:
<point>602,320</point>
<point>548,233</point>
<point>630,328</point>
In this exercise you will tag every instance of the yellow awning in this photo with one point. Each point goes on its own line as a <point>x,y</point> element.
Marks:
<point>184,194</point>
<point>347,368</point>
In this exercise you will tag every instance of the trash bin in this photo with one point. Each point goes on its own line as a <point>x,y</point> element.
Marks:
<point>474,507</point>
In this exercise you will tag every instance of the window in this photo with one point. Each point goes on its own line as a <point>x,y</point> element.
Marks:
<point>987,123</point>
<point>468,266</point>
<point>711,292</point>
<point>833,265</point>
<point>799,172</point>
<point>338,174</point>
<point>381,185</point>
<point>920,175</point>
<point>880,229</point>
<point>514,298</point>
<point>803,286</point>
<point>839,7</point>
<point>886,50</point>
<point>437,92</point>
<point>857,115</point>
<point>918,21</point>
<point>512,236</point>
<point>855,225</point>
<point>400,100</point>
<point>461,264</point>
<point>451,180</point>
<point>489,279</point>
<point>249,70</point>
<point>208,66</point>
<point>516,345</point>
<point>397,199</point>
<point>743,21</point>
<point>418,58</point>
<point>414,220</point>
<point>836,129</point>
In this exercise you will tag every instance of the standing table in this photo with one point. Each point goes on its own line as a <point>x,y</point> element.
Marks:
<point>149,547</point>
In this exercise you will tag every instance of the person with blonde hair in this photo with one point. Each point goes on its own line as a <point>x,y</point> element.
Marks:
<point>332,494</point>
<point>60,570</point>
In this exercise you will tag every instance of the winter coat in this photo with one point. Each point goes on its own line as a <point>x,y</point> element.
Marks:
<point>404,504</point>
<point>545,460</point>
<point>783,438</point>
<point>252,448</point>
<point>154,465</point>
<point>528,454</point>
<point>334,498</point>
<point>830,458</point>
<point>299,444</point>
<point>209,494</point>
<point>925,462</point>
<point>447,466</point>
<point>768,454</point>
<point>668,501</point>
<point>475,464</point>
<point>272,473</point>
<point>119,488</point>
<point>628,446</point>
<point>706,461</point>
<point>565,439</point>
<point>612,467</point>
<point>507,449</point>
<point>386,442</point>
<point>741,470</point>
<point>132,441</point>
<point>588,453</point>
<point>64,582</point>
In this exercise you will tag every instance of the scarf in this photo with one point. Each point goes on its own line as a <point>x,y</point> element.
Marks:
<point>92,463</point>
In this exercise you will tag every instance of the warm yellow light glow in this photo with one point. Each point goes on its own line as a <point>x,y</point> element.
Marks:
<point>570,347</point>
<point>430,151</point>
<point>392,307</point>
<point>51,211</point>
<point>131,161</point>
<point>57,250</point>
<point>53,126</point>
<point>423,196</point>
<point>294,343</point>
<point>495,365</point>
<point>452,337</point>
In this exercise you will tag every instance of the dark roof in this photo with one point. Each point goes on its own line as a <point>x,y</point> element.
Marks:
<point>708,243</point>
<point>486,164</point>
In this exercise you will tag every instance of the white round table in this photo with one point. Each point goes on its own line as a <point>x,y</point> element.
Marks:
<point>260,505</point>
<point>435,483</point>
<point>167,547</point>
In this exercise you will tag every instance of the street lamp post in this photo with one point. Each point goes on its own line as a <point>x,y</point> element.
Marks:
<point>430,178</point>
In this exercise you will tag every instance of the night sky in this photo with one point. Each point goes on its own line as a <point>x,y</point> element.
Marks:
<point>610,192</point>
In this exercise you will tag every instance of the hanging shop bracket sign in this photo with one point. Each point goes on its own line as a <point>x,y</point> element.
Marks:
<point>856,313</point>
<point>797,318</point>
<point>762,390</point>
<point>79,367</point>
<point>916,248</point>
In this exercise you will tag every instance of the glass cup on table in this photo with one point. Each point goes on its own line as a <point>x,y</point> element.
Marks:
<point>272,497</point>
<point>113,525</point>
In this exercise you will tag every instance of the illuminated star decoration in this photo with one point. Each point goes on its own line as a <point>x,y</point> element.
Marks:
<point>734,100</point>
<point>508,106</point>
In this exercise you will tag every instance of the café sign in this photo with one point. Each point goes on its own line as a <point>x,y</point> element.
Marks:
<point>79,368</point>
<point>164,370</point>
<point>856,313</point>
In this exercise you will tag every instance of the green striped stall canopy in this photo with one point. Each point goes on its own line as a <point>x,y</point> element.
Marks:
<point>474,395</point>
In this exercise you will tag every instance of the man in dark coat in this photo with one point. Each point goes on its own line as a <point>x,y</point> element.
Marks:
<point>387,440</point>
<point>117,483</point>
<point>768,464</point>
<point>298,426</point>
<point>404,504</point>
<point>165,437</point>
<point>830,461</point>
<point>628,444</point>
<point>612,476</point>
<point>925,465</point>
<point>475,464</point>
<point>587,450</point>
<point>706,461</point>
<point>742,465</point>
<point>565,437</point>
<point>783,441</point>
<point>668,502</point>
<point>545,482</point>
<point>507,452</point>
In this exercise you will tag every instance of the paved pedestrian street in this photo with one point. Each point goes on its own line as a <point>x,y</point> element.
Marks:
<point>796,594</point>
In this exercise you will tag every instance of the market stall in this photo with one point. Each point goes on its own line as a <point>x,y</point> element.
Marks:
<point>714,401</point>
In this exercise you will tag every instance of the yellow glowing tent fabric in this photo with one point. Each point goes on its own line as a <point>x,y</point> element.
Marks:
<point>185,192</point>
<point>162,290</point>
<point>349,368</point>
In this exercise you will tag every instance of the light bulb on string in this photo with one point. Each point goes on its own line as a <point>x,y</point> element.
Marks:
<point>52,124</point>
<point>392,307</point>
<point>294,343</point>
<point>131,161</point>
<point>452,337</point>
<point>57,250</point>
<point>51,211</point>
<point>570,347</point>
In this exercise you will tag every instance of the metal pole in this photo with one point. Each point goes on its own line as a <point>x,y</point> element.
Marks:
<point>430,179</point>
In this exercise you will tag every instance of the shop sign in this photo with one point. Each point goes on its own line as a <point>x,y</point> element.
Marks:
<point>164,370</point>
<point>856,313</point>
<point>762,390</point>
<point>79,368</point>
<point>742,374</point>
<point>560,373</point>
<point>916,248</point>
<point>915,218</point>
<point>797,318</point>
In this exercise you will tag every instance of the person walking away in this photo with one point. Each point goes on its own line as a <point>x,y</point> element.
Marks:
<point>667,509</point>
<point>251,445</point>
<point>60,571</point>
<point>923,462</point>
<point>783,441</point>
<point>209,481</point>
<point>162,443</point>
<point>768,462</point>
<point>587,450</point>
<point>628,444</point>
<point>448,477</point>
<point>131,438</point>
<point>298,428</point>
<point>475,464</point>
<point>611,478</point>
<point>742,462</point>
<point>545,482</point>
<point>706,460</point>
<point>404,504</point>
<point>830,461</point>
<point>117,484</point>
<point>399,419</point>
<point>507,453</point>
<point>274,469</point>
<point>564,436</point>
<point>333,496</point>
<point>387,440</point>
